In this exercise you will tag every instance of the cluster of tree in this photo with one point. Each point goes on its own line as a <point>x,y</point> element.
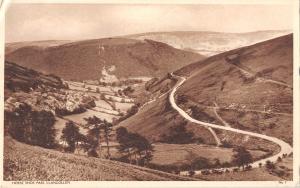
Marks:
<point>98,130</point>
<point>134,145</point>
<point>242,157</point>
<point>180,135</point>
<point>64,112</point>
<point>196,164</point>
<point>130,112</point>
<point>121,82</point>
<point>30,126</point>
<point>128,90</point>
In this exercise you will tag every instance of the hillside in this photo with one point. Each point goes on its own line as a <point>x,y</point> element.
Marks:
<point>32,163</point>
<point>242,101</point>
<point>18,78</point>
<point>208,43</point>
<point>95,59</point>
<point>250,87</point>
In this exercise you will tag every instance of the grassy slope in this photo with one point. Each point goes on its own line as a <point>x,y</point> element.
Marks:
<point>84,60</point>
<point>185,153</point>
<point>156,118</point>
<point>25,162</point>
<point>227,85</point>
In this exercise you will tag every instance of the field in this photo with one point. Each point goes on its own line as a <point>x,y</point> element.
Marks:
<point>79,118</point>
<point>32,163</point>
<point>185,153</point>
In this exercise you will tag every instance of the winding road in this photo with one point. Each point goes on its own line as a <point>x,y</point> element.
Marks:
<point>285,148</point>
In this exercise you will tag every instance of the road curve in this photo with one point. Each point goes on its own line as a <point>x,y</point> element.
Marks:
<point>285,148</point>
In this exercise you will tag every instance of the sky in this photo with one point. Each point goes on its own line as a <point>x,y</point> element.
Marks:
<point>32,22</point>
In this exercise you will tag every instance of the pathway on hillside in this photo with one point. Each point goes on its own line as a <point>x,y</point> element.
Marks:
<point>259,77</point>
<point>285,148</point>
<point>218,116</point>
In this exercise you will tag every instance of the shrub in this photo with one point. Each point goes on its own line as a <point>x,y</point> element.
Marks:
<point>270,165</point>
<point>205,172</point>
<point>201,163</point>
<point>97,90</point>
<point>279,159</point>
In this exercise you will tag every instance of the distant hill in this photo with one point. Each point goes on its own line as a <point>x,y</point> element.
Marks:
<point>252,87</point>
<point>10,47</point>
<point>87,60</point>
<point>23,162</point>
<point>208,43</point>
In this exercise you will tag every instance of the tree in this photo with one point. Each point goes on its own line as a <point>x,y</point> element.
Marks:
<point>200,163</point>
<point>43,132</point>
<point>71,135</point>
<point>242,157</point>
<point>128,90</point>
<point>94,124</point>
<point>270,165</point>
<point>122,138</point>
<point>141,146</point>
<point>107,127</point>
<point>31,127</point>
<point>179,135</point>
<point>120,92</point>
<point>20,123</point>
<point>133,143</point>
<point>102,96</point>
<point>279,159</point>
<point>97,90</point>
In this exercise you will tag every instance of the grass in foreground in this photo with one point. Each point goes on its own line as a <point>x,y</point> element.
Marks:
<point>32,163</point>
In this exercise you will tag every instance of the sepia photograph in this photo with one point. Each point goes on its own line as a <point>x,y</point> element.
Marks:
<point>150,91</point>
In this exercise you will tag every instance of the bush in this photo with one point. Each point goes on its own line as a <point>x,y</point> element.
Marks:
<point>248,167</point>
<point>279,159</point>
<point>201,163</point>
<point>270,165</point>
<point>97,90</point>
<point>191,173</point>
<point>205,172</point>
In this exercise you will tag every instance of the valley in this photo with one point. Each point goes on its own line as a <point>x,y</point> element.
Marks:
<point>200,110</point>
